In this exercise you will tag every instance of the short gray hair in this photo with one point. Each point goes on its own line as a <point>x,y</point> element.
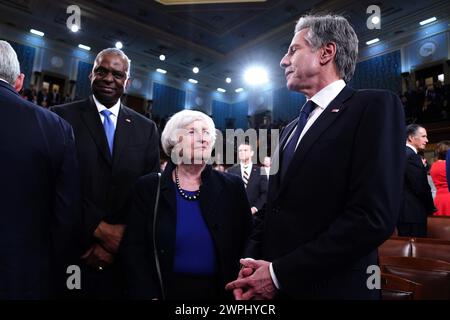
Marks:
<point>180,120</point>
<point>9,64</point>
<point>117,52</point>
<point>333,28</point>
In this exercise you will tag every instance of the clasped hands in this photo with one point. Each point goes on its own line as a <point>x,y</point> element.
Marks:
<point>101,253</point>
<point>254,281</point>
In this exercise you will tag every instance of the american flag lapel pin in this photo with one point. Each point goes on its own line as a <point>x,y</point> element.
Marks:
<point>128,120</point>
<point>335,110</point>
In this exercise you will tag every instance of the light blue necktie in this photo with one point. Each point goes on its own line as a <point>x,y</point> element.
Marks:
<point>108,125</point>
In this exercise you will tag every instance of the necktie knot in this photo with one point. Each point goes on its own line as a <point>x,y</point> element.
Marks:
<point>106,113</point>
<point>308,108</point>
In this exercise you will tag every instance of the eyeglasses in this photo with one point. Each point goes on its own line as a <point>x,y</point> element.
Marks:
<point>103,72</point>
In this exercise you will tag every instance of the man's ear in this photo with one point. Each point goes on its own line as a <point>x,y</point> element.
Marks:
<point>128,83</point>
<point>328,52</point>
<point>18,84</point>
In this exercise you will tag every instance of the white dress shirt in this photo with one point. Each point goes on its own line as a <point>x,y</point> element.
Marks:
<point>322,99</point>
<point>413,148</point>
<point>249,169</point>
<point>114,110</point>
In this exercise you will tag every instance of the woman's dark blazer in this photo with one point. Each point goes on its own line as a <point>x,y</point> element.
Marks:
<point>227,213</point>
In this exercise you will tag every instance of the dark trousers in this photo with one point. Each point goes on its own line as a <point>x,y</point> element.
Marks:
<point>192,287</point>
<point>418,230</point>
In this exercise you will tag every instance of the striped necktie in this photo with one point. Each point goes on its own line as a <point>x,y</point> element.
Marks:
<point>245,176</point>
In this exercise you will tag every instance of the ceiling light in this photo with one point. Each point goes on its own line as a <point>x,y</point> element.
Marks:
<point>37,32</point>
<point>82,46</point>
<point>424,22</point>
<point>372,41</point>
<point>74,28</point>
<point>195,70</point>
<point>162,57</point>
<point>221,90</point>
<point>161,71</point>
<point>119,45</point>
<point>239,90</point>
<point>256,76</point>
<point>228,80</point>
<point>376,20</point>
<point>193,81</point>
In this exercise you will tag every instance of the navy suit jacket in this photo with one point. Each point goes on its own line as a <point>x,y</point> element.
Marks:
<point>38,194</point>
<point>256,187</point>
<point>417,200</point>
<point>339,201</point>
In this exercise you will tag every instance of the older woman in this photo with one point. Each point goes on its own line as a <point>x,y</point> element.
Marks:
<point>191,248</point>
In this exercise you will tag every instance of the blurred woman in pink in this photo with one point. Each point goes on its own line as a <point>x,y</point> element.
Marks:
<point>438,174</point>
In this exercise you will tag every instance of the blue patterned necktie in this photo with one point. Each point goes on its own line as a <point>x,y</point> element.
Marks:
<point>289,150</point>
<point>108,125</point>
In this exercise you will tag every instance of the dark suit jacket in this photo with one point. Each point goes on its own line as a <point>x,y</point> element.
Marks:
<point>339,201</point>
<point>227,214</point>
<point>417,201</point>
<point>256,187</point>
<point>107,181</point>
<point>38,195</point>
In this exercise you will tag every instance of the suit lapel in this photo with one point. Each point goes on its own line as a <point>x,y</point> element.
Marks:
<point>274,179</point>
<point>328,116</point>
<point>92,120</point>
<point>123,133</point>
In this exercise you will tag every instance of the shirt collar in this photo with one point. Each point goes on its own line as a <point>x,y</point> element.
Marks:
<point>1,79</point>
<point>414,149</point>
<point>114,109</point>
<point>327,94</point>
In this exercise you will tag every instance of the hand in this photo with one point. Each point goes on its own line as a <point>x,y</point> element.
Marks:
<point>254,210</point>
<point>259,285</point>
<point>109,235</point>
<point>97,257</point>
<point>243,273</point>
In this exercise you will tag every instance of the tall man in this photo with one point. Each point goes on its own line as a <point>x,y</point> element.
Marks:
<point>115,147</point>
<point>336,196</point>
<point>255,183</point>
<point>38,190</point>
<point>417,200</point>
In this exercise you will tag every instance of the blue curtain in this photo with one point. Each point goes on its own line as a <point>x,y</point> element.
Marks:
<point>220,111</point>
<point>383,72</point>
<point>167,100</point>
<point>239,112</point>
<point>83,85</point>
<point>286,104</point>
<point>25,55</point>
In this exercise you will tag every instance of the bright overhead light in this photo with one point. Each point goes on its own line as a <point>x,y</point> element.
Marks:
<point>228,80</point>
<point>82,46</point>
<point>37,32</point>
<point>221,90</point>
<point>161,71</point>
<point>162,57</point>
<point>372,41</point>
<point>376,20</point>
<point>195,70</point>
<point>424,22</point>
<point>119,45</point>
<point>256,76</point>
<point>239,90</point>
<point>74,28</point>
<point>193,81</point>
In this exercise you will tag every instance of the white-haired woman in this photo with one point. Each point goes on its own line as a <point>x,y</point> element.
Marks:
<point>191,249</point>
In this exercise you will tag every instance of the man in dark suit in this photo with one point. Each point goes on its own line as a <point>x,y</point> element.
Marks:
<point>417,200</point>
<point>115,147</point>
<point>39,191</point>
<point>336,195</point>
<point>254,181</point>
